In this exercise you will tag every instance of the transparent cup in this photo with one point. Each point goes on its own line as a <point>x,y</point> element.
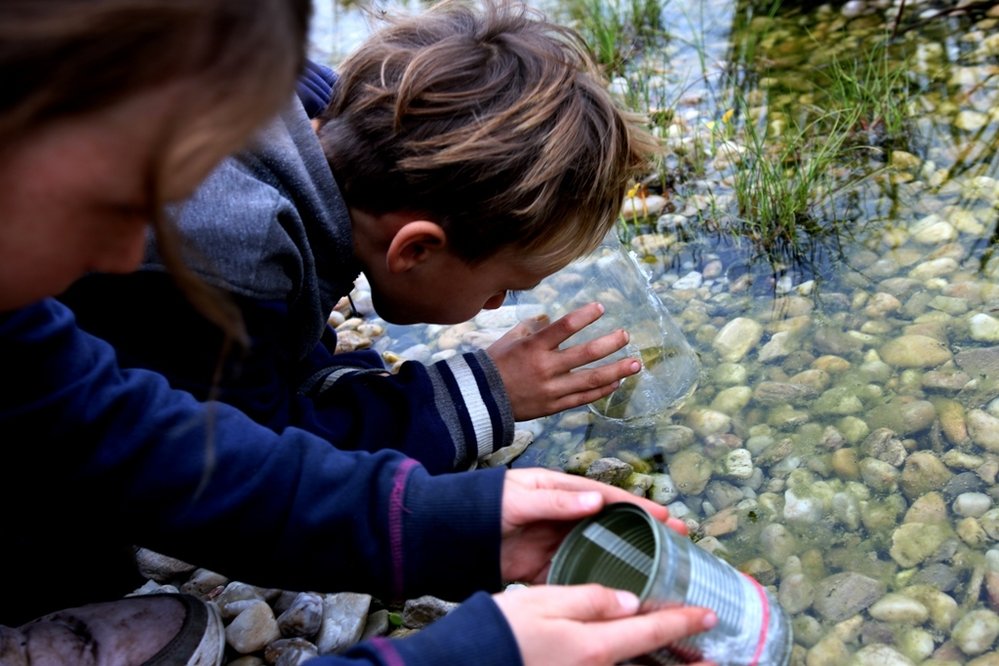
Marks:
<point>612,276</point>
<point>626,548</point>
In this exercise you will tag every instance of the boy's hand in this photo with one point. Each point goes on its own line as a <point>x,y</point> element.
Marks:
<point>542,379</point>
<point>591,625</point>
<point>540,506</point>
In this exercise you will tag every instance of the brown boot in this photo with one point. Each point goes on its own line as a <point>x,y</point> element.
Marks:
<point>151,630</point>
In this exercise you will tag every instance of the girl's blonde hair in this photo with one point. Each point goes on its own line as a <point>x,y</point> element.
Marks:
<point>65,59</point>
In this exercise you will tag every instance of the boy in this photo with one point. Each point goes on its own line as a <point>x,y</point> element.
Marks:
<point>462,157</point>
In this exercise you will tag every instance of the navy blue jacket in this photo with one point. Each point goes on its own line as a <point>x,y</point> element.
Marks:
<point>94,454</point>
<point>270,228</point>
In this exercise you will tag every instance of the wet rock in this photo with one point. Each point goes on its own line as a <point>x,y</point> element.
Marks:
<point>884,445</point>
<point>879,654</point>
<point>690,472</point>
<point>914,351</point>
<point>933,230</point>
<point>706,422</point>
<point>916,643</point>
<point>895,607</point>
<point>979,361</point>
<point>507,454</point>
<point>971,532</point>
<point>844,463</point>
<point>205,584</point>
<point>903,415</point>
<point>722,494</point>
<point>673,438</point>
<point>760,569</point>
<point>939,575</point>
<point>776,393</point>
<point>990,523</point>
<point>971,504</point>
<point>777,543</point>
<point>418,613</point>
<point>161,568</point>
<point>663,490</point>
<point>736,338</point>
<point>976,632</point>
<point>796,593</point>
<point>912,543</point>
<point>835,342</point>
<point>806,500</point>
<point>729,374</point>
<point>303,617</point>
<point>838,401</point>
<point>253,628</point>
<point>925,271</point>
<point>290,651</point>
<point>724,522</point>
<point>952,420</point>
<point>841,595</point>
<point>983,428</point>
<point>983,328</point>
<point>732,400</point>
<point>879,476</point>
<point>970,121</point>
<point>828,651</point>
<point>738,464</point>
<point>611,471</point>
<point>923,471</point>
<point>232,599</point>
<point>344,616</point>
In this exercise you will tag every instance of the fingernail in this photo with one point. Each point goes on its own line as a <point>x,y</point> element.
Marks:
<point>590,500</point>
<point>628,601</point>
<point>600,306</point>
<point>627,337</point>
<point>710,620</point>
<point>635,366</point>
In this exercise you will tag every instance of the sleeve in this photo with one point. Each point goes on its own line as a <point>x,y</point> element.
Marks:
<point>445,415</point>
<point>474,633</point>
<point>315,87</point>
<point>204,483</point>
<point>449,413</point>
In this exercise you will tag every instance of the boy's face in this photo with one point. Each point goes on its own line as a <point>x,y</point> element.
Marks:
<point>447,290</point>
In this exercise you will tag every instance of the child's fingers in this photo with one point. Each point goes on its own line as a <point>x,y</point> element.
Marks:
<point>568,325</point>
<point>535,324</point>
<point>632,636</point>
<point>594,383</point>
<point>579,355</point>
<point>584,603</point>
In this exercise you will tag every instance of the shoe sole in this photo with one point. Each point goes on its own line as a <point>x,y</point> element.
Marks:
<point>201,639</point>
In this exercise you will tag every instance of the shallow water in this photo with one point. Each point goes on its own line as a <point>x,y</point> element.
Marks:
<point>846,420</point>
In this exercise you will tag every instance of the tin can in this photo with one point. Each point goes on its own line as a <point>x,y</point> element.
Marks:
<point>625,547</point>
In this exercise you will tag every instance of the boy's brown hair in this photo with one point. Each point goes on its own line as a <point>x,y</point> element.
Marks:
<point>496,125</point>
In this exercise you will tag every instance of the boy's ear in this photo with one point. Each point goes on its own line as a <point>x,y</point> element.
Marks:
<point>413,243</point>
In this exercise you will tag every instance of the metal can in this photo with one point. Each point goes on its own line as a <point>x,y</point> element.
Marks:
<point>625,547</point>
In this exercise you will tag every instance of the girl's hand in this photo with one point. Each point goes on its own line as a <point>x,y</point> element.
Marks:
<point>591,625</point>
<point>539,508</point>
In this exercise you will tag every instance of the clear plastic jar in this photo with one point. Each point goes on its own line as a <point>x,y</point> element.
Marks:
<point>613,277</point>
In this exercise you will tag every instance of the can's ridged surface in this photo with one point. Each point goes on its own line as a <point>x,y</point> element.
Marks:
<point>624,547</point>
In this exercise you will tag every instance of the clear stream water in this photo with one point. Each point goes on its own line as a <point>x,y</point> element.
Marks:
<point>842,444</point>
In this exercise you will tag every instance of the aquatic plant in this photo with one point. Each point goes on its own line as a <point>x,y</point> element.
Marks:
<point>874,86</point>
<point>617,30</point>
